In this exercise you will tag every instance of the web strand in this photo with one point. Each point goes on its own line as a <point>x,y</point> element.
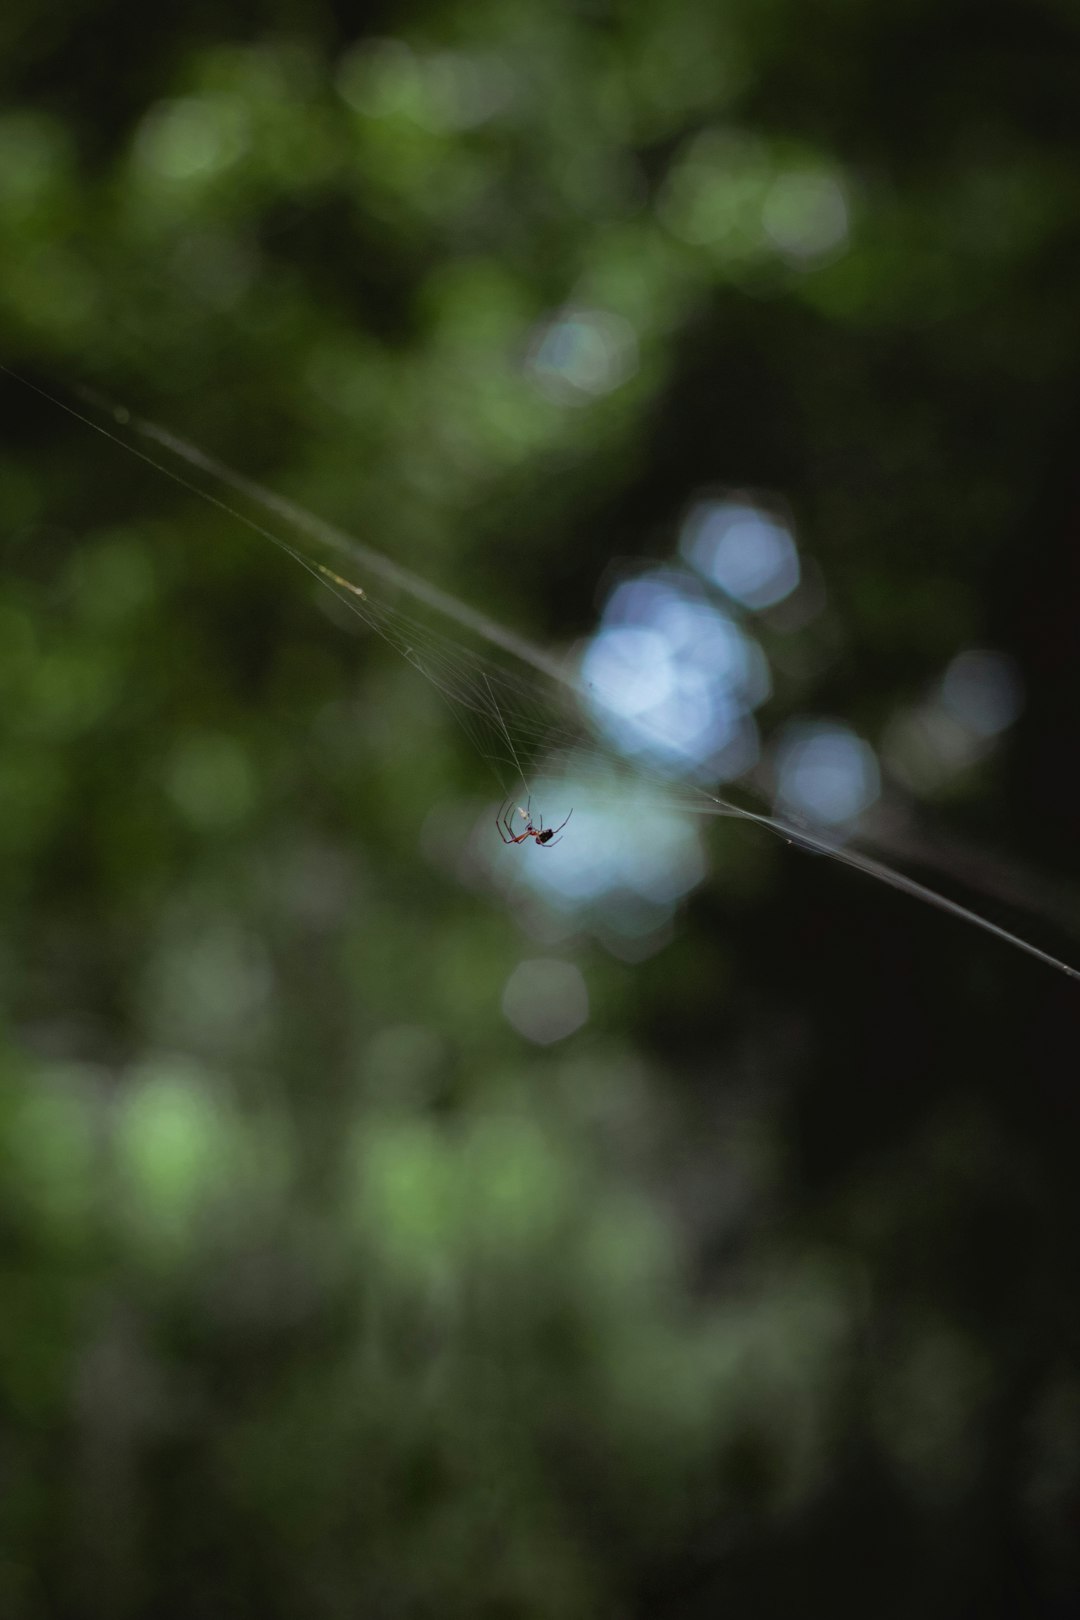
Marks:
<point>547,714</point>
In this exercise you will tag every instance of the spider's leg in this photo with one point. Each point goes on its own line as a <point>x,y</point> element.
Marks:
<point>510,837</point>
<point>561,825</point>
<point>500,822</point>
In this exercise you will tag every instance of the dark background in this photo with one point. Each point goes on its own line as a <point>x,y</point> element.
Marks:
<point>323,1291</point>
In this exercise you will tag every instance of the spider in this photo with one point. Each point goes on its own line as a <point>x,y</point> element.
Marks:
<point>542,834</point>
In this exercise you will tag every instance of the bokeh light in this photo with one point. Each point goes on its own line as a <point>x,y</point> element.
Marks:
<point>959,722</point>
<point>191,139</point>
<point>546,1000</point>
<point>672,679</point>
<point>715,193</point>
<point>743,200</point>
<point>982,691</point>
<point>824,772</point>
<point>750,555</point>
<point>443,91</point>
<point>581,354</point>
<point>806,215</point>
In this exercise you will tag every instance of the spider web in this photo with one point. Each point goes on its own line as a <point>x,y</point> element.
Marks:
<point>523,718</point>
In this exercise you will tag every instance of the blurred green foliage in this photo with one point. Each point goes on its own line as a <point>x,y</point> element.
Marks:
<point>322,1293</point>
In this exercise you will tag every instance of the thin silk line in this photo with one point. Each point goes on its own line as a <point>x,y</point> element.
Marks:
<point>519,647</point>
